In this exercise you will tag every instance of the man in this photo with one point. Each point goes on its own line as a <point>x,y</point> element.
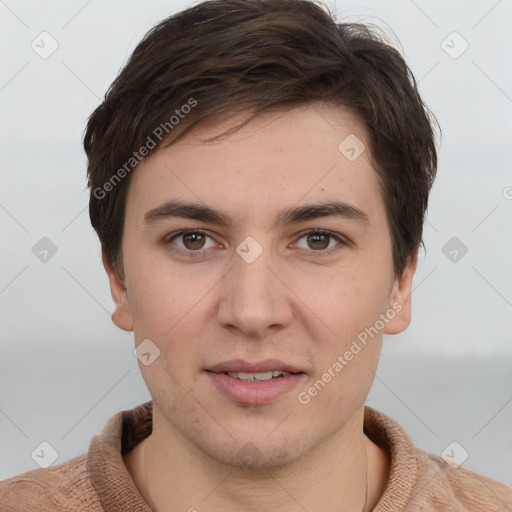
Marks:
<point>259,176</point>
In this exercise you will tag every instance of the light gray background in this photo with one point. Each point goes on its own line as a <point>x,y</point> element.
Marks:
<point>65,368</point>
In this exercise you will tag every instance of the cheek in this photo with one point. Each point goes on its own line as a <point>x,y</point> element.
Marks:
<point>163,301</point>
<point>344,303</point>
<point>173,321</point>
<point>347,342</point>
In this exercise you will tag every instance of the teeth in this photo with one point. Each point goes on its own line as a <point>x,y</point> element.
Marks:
<point>248,377</point>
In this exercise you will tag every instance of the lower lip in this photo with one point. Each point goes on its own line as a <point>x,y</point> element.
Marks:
<point>254,392</point>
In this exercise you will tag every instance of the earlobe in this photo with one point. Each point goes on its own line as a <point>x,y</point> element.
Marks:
<point>122,315</point>
<point>400,301</point>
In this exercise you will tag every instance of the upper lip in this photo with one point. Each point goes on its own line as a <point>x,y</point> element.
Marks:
<point>239,365</point>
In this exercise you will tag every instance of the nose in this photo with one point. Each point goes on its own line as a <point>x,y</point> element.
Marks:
<point>255,299</point>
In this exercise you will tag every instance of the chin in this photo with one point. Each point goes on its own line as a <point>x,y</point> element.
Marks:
<point>252,457</point>
<point>254,453</point>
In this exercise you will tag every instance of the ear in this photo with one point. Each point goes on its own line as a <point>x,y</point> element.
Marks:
<point>400,299</point>
<point>122,315</point>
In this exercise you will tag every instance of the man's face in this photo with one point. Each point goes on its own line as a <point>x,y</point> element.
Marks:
<point>255,295</point>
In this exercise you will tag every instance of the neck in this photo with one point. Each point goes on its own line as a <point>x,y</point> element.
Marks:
<point>345,473</point>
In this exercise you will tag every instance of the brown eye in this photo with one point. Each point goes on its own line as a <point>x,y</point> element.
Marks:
<point>321,242</point>
<point>318,241</point>
<point>193,241</point>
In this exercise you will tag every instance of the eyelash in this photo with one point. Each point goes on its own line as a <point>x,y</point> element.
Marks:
<point>192,254</point>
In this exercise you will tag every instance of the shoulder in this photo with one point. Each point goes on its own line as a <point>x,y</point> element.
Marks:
<point>64,487</point>
<point>443,485</point>
<point>422,482</point>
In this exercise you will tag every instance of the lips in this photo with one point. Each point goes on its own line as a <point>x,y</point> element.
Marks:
<point>255,383</point>
<point>268,365</point>
<point>260,377</point>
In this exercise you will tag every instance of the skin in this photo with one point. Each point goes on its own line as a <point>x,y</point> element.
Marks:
<point>302,301</point>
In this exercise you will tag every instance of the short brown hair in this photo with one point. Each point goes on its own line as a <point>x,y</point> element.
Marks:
<point>269,55</point>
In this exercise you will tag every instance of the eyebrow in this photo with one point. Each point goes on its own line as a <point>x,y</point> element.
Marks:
<point>199,212</point>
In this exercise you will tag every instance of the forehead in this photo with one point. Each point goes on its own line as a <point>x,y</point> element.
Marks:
<point>277,159</point>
